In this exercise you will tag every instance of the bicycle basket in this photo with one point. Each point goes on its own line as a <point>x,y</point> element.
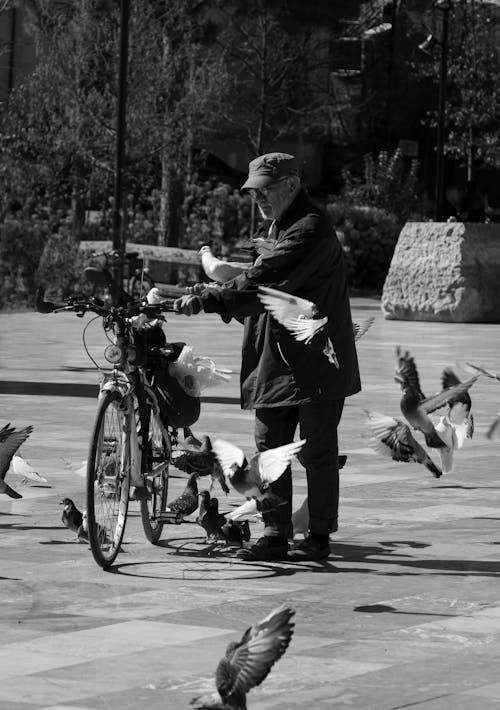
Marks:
<point>177,408</point>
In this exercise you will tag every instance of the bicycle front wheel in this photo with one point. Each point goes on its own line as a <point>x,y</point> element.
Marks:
<point>155,463</point>
<point>139,287</point>
<point>108,479</point>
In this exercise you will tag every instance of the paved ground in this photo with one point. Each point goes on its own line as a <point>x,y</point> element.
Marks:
<point>405,613</point>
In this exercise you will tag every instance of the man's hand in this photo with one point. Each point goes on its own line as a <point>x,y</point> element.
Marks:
<point>188,305</point>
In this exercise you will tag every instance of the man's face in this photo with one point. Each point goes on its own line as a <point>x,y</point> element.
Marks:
<point>273,200</point>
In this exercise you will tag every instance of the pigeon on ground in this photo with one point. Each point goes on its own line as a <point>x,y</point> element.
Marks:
<point>24,469</point>
<point>393,438</point>
<point>82,534</point>
<point>247,663</point>
<point>209,517</point>
<point>218,270</point>
<point>197,456</point>
<point>253,478</point>
<point>72,518</point>
<point>10,441</point>
<point>415,407</point>
<point>187,502</point>
<point>298,316</point>
<point>236,532</point>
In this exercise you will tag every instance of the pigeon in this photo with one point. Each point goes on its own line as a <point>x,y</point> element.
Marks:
<point>415,407</point>
<point>236,532</point>
<point>209,517</point>
<point>484,371</point>
<point>298,316</point>
<point>256,506</point>
<point>462,403</point>
<point>300,518</point>
<point>453,428</point>
<point>218,270</point>
<point>187,502</point>
<point>252,478</point>
<point>247,663</point>
<point>72,518</point>
<point>24,469</point>
<point>10,441</point>
<point>360,329</point>
<point>197,456</point>
<point>393,438</point>
<point>82,534</point>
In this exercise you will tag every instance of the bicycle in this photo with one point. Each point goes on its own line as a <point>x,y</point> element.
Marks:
<point>131,444</point>
<point>136,279</point>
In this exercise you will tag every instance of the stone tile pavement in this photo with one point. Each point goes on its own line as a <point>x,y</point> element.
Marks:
<point>405,612</point>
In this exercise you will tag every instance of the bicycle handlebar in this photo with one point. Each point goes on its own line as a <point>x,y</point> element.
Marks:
<point>81,304</point>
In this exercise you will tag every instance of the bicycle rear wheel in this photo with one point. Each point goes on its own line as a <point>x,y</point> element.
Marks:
<point>139,287</point>
<point>155,467</point>
<point>108,479</point>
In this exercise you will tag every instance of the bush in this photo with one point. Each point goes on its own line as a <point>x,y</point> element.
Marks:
<point>21,245</point>
<point>368,236</point>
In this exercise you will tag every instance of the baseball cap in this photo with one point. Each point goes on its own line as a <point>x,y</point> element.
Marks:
<point>269,168</point>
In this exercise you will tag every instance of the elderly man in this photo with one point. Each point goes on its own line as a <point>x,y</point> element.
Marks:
<point>290,384</point>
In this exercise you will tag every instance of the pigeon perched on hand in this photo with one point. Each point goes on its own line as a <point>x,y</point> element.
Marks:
<point>24,469</point>
<point>197,456</point>
<point>209,517</point>
<point>393,438</point>
<point>247,663</point>
<point>252,478</point>
<point>218,270</point>
<point>72,518</point>
<point>10,441</point>
<point>187,502</point>
<point>298,316</point>
<point>415,407</point>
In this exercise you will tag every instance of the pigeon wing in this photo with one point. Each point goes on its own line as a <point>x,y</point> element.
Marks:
<point>450,394</point>
<point>283,306</point>
<point>391,437</point>
<point>23,468</point>
<point>406,369</point>
<point>361,328</point>
<point>228,455</point>
<point>484,371</point>
<point>6,431</point>
<point>9,447</point>
<point>247,664</point>
<point>271,464</point>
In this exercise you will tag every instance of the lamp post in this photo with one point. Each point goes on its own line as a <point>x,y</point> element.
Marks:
<point>444,6</point>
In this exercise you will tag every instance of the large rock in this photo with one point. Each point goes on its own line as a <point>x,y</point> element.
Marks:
<point>444,272</point>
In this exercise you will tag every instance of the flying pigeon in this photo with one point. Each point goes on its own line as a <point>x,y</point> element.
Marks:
<point>252,478</point>
<point>218,270</point>
<point>248,662</point>
<point>393,438</point>
<point>453,429</point>
<point>415,407</point>
<point>197,456</point>
<point>10,441</point>
<point>209,517</point>
<point>24,469</point>
<point>72,518</point>
<point>187,502</point>
<point>298,316</point>
<point>462,403</point>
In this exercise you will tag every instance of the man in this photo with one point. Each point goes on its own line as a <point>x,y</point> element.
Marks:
<point>290,384</point>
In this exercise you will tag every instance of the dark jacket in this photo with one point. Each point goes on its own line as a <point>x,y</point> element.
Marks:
<point>307,261</point>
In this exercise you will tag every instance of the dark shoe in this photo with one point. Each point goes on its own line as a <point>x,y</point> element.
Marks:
<point>309,549</point>
<point>265,548</point>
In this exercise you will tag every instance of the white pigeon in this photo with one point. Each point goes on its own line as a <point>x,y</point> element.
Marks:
<point>26,470</point>
<point>253,507</point>
<point>297,315</point>
<point>10,441</point>
<point>219,270</point>
<point>253,478</point>
<point>300,519</point>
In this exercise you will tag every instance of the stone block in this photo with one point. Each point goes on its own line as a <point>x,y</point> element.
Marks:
<point>446,272</point>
